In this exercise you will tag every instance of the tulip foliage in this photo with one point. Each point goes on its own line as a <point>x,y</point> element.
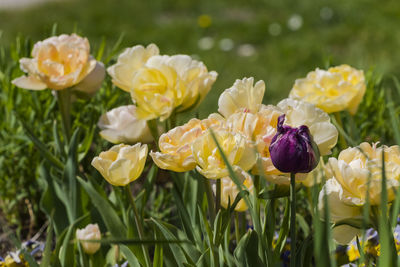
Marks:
<point>127,180</point>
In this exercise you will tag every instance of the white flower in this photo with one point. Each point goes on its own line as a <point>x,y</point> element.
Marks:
<point>121,125</point>
<point>90,232</point>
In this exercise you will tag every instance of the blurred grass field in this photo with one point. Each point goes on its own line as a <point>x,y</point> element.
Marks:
<point>276,41</point>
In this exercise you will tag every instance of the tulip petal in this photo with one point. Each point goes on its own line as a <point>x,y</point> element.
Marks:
<point>29,82</point>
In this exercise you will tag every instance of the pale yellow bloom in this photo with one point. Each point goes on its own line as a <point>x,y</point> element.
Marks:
<point>298,113</point>
<point>168,83</point>
<point>239,151</point>
<point>130,61</point>
<point>121,125</point>
<point>175,145</point>
<point>242,95</point>
<point>90,232</point>
<point>356,165</point>
<point>121,164</point>
<point>59,62</point>
<point>346,190</point>
<point>229,189</point>
<point>339,210</point>
<point>336,89</point>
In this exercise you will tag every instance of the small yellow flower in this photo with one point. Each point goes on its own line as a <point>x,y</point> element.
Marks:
<point>175,146</point>
<point>90,232</point>
<point>121,164</point>
<point>204,21</point>
<point>353,252</point>
<point>229,189</point>
<point>243,95</point>
<point>60,62</point>
<point>333,90</point>
<point>239,151</point>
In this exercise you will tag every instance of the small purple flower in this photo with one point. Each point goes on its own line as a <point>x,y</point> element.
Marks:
<point>293,149</point>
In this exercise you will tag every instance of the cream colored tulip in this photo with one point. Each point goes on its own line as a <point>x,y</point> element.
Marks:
<point>90,232</point>
<point>299,113</point>
<point>130,61</point>
<point>356,165</point>
<point>239,151</point>
<point>229,189</point>
<point>175,145</point>
<point>168,83</point>
<point>121,164</point>
<point>333,90</point>
<point>121,125</point>
<point>339,210</point>
<point>242,95</point>
<point>58,62</point>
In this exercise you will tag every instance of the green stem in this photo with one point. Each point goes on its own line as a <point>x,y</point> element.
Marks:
<point>237,230</point>
<point>64,104</point>
<point>152,124</point>
<point>293,219</point>
<point>342,140</point>
<point>139,225</point>
<point>218,195</point>
<point>210,199</point>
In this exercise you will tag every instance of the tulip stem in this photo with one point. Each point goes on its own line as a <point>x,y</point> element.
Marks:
<point>342,140</point>
<point>152,124</point>
<point>218,195</point>
<point>139,225</point>
<point>64,104</point>
<point>292,219</point>
<point>237,229</point>
<point>210,199</point>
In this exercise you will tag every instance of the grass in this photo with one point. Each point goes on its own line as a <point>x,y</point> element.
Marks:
<point>359,33</point>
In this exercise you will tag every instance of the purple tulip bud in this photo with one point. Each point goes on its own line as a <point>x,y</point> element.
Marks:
<point>293,149</point>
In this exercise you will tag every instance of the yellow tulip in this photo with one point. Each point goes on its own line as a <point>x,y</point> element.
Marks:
<point>175,145</point>
<point>229,189</point>
<point>168,83</point>
<point>121,164</point>
<point>243,95</point>
<point>239,151</point>
<point>130,61</point>
<point>356,165</point>
<point>60,62</point>
<point>333,90</point>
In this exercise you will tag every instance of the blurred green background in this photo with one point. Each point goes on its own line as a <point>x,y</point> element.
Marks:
<point>277,41</point>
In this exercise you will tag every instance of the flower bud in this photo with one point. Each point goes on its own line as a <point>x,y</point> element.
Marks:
<point>293,149</point>
<point>90,232</point>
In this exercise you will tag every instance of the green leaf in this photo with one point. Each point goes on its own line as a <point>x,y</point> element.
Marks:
<point>47,249</point>
<point>177,251</point>
<point>130,257</point>
<point>66,255</point>
<point>109,215</point>
<point>42,147</point>
<point>49,201</point>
